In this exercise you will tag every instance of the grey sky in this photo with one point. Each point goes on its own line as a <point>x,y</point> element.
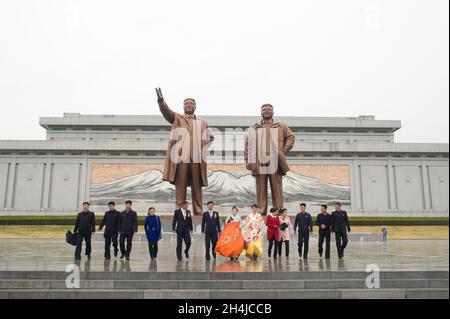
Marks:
<point>308,58</point>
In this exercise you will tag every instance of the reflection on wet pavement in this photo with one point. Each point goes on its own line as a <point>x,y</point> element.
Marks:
<point>55,255</point>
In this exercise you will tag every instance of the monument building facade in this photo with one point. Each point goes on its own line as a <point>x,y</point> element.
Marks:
<point>98,158</point>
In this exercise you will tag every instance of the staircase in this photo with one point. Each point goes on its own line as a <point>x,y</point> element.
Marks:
<point>225,285</point>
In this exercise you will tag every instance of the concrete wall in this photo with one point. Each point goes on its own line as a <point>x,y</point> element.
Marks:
<point>59,184</point>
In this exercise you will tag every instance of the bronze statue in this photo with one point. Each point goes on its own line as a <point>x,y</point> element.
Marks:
<point>266,146</point>
<point>185,163</point>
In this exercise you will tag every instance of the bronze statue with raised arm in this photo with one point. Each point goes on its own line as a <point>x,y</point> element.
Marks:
<point>266,145</point>
<point>185,164</point>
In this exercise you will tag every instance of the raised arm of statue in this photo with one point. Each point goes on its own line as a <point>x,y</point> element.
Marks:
<point>168,114</point>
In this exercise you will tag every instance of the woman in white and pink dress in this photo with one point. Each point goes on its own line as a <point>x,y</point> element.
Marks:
<point>286,230</point>
<point>252,232</point>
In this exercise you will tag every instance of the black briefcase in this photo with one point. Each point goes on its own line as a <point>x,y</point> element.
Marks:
<point>71,238</point>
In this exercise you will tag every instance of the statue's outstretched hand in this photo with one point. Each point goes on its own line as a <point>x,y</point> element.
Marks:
<point>159,94</point>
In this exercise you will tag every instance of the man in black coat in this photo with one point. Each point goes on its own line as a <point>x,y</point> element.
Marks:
<point>324,223</point>
<point>340,225</point>
<point>182,226</point>
<point>84,227</point>
<point>211,229</point>
<point>304,222</point>
<point>128,225</point>
<point>111,223</point>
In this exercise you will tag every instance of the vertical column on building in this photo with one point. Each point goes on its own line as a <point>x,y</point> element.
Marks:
<point>426,187</point>
<point>353,195</point>
<point>84,181</point>
<point>45,201</point>
<point>11,184</point>
<point>358,205</point>
<point>392,186</point>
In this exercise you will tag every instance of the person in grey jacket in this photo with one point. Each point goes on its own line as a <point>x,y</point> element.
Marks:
<point>128,225</point>
<point>340,225</point>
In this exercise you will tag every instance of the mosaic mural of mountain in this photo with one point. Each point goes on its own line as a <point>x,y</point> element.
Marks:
<point>225,187</point>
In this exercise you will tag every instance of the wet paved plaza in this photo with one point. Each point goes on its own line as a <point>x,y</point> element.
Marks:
<point>56,255</point>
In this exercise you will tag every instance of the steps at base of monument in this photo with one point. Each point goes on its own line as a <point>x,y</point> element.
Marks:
<point>221,285</point>
<point>435,293</point>
<point>199,275</point>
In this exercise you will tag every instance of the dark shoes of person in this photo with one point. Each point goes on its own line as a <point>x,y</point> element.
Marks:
<point>214,256</point>
<point>208,257</point>
<point>128,258</point>
<point>187,255</point>
<point>107,257</point>
<point>89,257</point>
<point>77,257</point>
<point>122,256</point>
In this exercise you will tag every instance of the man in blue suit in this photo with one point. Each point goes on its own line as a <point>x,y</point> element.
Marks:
<point>211,229</point>
<point>303,221</point>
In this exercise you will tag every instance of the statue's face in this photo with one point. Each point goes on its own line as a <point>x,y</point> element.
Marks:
<point>189,106</point>
<point>267,112</point>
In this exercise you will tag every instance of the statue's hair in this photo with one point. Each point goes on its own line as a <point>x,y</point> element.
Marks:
<point>267,104</point>
<point>189,98</point>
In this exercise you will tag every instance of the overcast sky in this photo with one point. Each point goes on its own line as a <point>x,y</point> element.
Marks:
<point>308,58</point>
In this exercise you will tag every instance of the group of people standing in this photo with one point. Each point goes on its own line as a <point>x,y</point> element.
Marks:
<point>279,230</point>
<point>236,236</point>
<point>120,228</point>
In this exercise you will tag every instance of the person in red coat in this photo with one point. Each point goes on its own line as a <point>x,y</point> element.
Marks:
<point>273,231</point>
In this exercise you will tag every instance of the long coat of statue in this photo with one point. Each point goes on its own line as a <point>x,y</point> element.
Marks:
<point>199,132</point>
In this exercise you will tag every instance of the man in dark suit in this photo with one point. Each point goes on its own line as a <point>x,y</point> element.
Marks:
<point>84,227</point>
<point>128,225</point>
<point>111,223</point>
<point>211,229</point>
<point>304,222</point>
<point>182,226</point>
<point>324,223</point>
<point>340,225</point>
